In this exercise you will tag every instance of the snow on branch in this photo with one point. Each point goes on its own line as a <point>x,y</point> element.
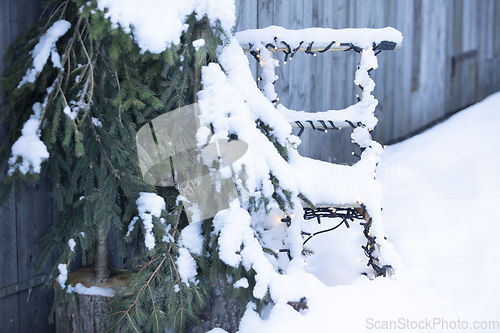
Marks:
<point>157,24</point>
<point>29,151</point>
<point>46,48</point>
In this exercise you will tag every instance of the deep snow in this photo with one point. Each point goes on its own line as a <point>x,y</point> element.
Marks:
<point>441,190</point>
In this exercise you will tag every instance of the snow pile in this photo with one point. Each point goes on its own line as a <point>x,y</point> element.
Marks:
<point>191,238</point>
<point>156,24</point>
<point>63,274</point>
<point>241,283</point>
<point>46,48</point>
<point>186,266</point>
<point>198,43</point>
<point>72,244</point>
<point>29,147</point>
<point>70,113</point>
<point>439,188</point>
<point>190,241</point>
<point>94,290</point>
<point>148,205</point>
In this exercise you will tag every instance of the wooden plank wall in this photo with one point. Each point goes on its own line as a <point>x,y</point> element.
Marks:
<point>450,59</point>
<point>24,221</point>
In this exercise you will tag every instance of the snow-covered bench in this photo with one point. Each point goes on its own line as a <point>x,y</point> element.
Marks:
<point>358,179</point>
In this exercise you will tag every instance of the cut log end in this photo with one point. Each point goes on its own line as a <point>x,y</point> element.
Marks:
<point>89,313</point>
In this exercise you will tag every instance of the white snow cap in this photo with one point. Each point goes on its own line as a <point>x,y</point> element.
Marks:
<point>72,244</point>
<point>29,147</point>
<point>359,37</point>
<point>186,266</point>
<point>63,274</point>
<point>46,47</point>
<point>241,283</point>
<point>192,238</point>
<point>149,205</point>
<point>156,24</point>
<point>217,330</point>
<point>72,114</point>
<point>94,290</point>
<point>198,43</point>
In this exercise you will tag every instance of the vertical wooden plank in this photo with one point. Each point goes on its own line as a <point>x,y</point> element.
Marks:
<point>495,62</point>
<point>334,84</point>
<point>321,144</point>
<point>34,216</point>
<point>246,18</point>
<point>296,97</point>
<point>9,319</point>
<point>296,21</point>
<point>483,19</point>
<point>417,44</point>
<point>450,44</point>
<point>5,31</point>
<point>246,15</point>
<point>383,75</point>
<point>467,91</point>
<point>384,78</point>
<point>325,76</point>
<point>352,58</point>
<point>489,27</point>
<point>485,81</point>
<point>470,36</point>
<point>355,19</point>
<point>300,71</point>
<point>282,15</point>
<point>265,13</point>
<point>433,86</point>
<point>9,306</point>
<point>458,13</point>
<point>456,71</point>
<point>496,30</point>
<point>400,64</point>
<point>316,72</point>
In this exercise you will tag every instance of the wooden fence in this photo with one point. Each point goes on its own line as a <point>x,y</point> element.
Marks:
<point>24,221</point>
<point>449,60</point>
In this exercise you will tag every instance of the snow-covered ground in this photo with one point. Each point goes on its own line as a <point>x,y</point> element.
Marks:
<point>441,193</point>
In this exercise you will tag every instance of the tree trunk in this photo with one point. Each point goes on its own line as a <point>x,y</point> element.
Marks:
<point>221,311</point>
<point>88,313</point>
<point>101,268</point>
